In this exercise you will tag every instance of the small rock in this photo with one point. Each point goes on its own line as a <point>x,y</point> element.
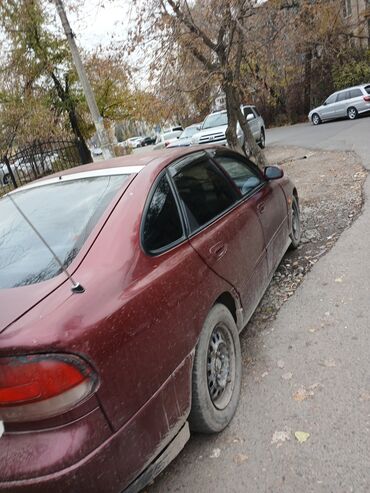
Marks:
<point>216,452</point>
<point>287,376</point>
<point>280,364</point>
<point>240,458</point>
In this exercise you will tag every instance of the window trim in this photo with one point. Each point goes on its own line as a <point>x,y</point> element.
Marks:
<point>240,199</point>
<point>170,246</point>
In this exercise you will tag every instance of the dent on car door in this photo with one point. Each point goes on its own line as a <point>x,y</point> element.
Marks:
<point>224,229</point>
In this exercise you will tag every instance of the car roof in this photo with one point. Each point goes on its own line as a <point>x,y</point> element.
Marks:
<point>133,163</point>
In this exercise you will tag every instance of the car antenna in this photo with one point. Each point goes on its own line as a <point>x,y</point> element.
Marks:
<point>76,286</point>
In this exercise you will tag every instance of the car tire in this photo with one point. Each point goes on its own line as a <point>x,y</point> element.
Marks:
<point>352,113</point>
<point>262,142</point>
<point>316,120</point>
<point>295,234</point>
<point>6,179</point>
<point>216,378</point>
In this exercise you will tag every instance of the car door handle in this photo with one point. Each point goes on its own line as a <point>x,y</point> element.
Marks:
<point>218,250</point>
<point>261,207</point>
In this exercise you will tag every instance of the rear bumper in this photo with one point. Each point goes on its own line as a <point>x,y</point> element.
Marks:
<point>113,461</point>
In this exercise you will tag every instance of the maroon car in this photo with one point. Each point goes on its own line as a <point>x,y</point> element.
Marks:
<point>123,288</point>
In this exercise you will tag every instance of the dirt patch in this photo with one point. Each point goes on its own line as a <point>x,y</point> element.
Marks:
<point>330,188</point>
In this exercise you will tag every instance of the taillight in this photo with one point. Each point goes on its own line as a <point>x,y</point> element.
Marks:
<point>41,386</point>
<point>367,99</point>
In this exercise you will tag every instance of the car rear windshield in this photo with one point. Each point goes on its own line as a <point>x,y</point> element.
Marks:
<point>215,120</point>
<point>64,213</point>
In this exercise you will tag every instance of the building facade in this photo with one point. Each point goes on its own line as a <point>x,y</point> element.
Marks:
<point>357,16</point>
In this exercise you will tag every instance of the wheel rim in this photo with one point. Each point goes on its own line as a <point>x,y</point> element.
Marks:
<point>263,138</point>
<point>316,119</point>
<point>352,113</point>
<point>296,223</point>
<point>221,366</point>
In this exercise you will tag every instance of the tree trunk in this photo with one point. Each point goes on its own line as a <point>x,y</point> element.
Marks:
<point>307,81</point>
<point>234,115</point>
<point>83,150</point>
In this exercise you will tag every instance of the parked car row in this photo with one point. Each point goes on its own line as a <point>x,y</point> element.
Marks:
<point>106,360</point>
<point>349,102</point>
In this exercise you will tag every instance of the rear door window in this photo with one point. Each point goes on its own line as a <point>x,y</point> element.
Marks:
<point>162,226</point>
<point>204,191</point>
<point>342,96</point>
<point>355,93</point>
<point>246,179</point>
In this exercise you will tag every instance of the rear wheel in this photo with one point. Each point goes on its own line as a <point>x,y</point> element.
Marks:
<point>216,373</point>
<point>295,234</point>
<point>316,120</point>
<point>352,113</point>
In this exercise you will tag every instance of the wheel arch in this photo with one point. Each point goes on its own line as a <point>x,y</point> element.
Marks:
<point>232,303</point>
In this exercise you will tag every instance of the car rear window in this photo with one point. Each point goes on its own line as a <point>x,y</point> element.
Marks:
<point>64,213</point>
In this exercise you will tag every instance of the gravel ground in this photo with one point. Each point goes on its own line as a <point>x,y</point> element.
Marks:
<point>330,188</point>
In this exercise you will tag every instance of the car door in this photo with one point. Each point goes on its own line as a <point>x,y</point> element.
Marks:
<point>252,122</point>
<point>328,110</point>
<point>341,104</point>
<point>223,226</point>
<point>356,99</point>
<point>270,200</point>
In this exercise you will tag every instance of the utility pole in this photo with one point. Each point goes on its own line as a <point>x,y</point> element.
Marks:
<point>89,95</point>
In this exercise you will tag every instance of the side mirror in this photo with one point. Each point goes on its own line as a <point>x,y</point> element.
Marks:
<point>250,117</point>
<point>199,127</point>
<point>273,173</point>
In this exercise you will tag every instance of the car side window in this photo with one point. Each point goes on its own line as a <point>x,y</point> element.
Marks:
<point>355,93</point>
<point>256,111</point>
<point>162,225</point>
<point>331,99</point>
<point>342,96</point>
<point>248,111</point>
<point>367,89</point>
<point>204,191</point>
<point>240,173</point>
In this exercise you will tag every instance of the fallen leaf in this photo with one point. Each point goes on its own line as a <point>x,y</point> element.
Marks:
<point>280,436</point>
<point>302,394</point>
<point>365,396</point>
<point>281,364</point>
<point>264,374</point>
<point>287,376</point>
<point>216,452</point>
<point>302,436</point>
<point>240,458</point>
<point>338,279</point>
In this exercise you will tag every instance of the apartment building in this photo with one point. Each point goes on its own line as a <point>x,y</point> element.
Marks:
<point>357,16</point>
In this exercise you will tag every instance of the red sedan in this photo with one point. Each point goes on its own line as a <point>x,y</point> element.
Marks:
<point>123,288</point>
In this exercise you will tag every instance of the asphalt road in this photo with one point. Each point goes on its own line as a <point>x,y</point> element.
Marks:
<point>307,372</point>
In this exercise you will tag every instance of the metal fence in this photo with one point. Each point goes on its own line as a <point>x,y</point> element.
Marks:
<point>37,160</point>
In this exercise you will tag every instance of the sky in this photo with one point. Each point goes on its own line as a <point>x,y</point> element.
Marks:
<point>100,21</point>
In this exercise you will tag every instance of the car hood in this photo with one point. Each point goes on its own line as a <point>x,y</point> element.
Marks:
<point>318,108</point>
<point>15,302</point>
<point>180,142</point>
<point>211,130</point>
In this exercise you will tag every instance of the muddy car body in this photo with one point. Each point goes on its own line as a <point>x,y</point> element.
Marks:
<point>96,384</point>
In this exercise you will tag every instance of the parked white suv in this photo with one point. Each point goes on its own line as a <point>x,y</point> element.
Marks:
<point>214,127</point>
<point>349,102</point>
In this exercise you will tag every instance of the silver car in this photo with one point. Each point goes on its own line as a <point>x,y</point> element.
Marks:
<point>214,127</point>
<point>349,103</point>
